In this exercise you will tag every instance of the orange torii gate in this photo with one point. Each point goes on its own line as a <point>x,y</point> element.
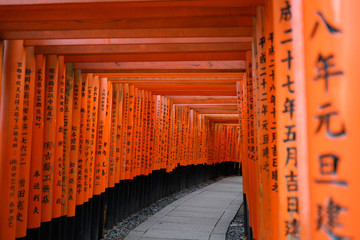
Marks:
<point>100,118</point>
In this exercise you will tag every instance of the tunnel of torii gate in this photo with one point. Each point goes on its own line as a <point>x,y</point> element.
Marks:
<point>107,106</point>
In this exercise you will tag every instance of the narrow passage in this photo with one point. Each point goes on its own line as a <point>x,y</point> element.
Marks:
<point>203,214</point>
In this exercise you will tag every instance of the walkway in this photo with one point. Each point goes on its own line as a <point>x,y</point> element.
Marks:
<point>203,214</point>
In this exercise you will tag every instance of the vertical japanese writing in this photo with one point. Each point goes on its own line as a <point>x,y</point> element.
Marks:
<point>51,76</point>
<point>25,151</point>
<point>34,208</point>
<point>285,104</point>
<point>328,121</point>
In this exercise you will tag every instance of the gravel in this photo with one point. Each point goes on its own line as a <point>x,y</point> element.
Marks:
<point>123,228</point>
<point>236,230</point>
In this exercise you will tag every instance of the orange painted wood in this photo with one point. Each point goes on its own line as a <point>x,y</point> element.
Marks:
<point>249,134</point>
<point>81,162</point>
<point>10,142</point>
<point>203,99</point>
<point>102,71</point>
<point>89,170</point>
<point>297,24</point>
<point>59,141</point>
<point>105,176</point>
<point>157,133</point>
<point>119,129</point>
<point>110,41</point>
<point>164,131</point>
<point>133,102</point>
<point>124,131</point>
<point>110,12</point>
<point>179,65</point>
<point>188,86</point>
<point>135,162</point>
<point>105,152</point>
<point>271,120</point>
<point>204,76</point>
<point>74,146</point>
<point>26,140</point>
<point>286,108</point>
<point>162,84</point>
<point>113,129</point>
<point>34,207</point>
<point>196,93</point>
<point>147,136</point>
<point>331,115</point>
<point>100,157</point>
<point>151,103</point>
<point>161,133</point>
<point>143,48</point>
<point>51,80</point>
<point>68,110</point>
<point>142,134</point>
<point>147,3</point>
<point>93,135</point>
<point>1,63</point>
<point>129,132</point>
<point>130,23</point>
<point>156,57</point>
<point>168,136</point>
<point>130,33</point>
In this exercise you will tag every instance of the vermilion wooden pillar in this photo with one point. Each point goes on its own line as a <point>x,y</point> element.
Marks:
<point>34,208</point>
<point>1,64</point>
<point>68,110</point>
<point>89,160</point>
<point>270,124</point>
<point>286,108</point>
<point>81,163</point>
<point>100,148</point>
<point>26,141</point>
<point>262,127</point>
<point>47,201</point>
<point>114,118</point>
<point>93,135</point>
<point>59,140</point>
<point>118,149</point>
<point>129,132</point>
<point>332,115</point>
<point>105,174</point>
<point>74,145</point>
<point>10,125</point>
<point>124,132</point>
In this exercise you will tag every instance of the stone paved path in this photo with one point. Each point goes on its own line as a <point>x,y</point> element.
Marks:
<point>203,214</point>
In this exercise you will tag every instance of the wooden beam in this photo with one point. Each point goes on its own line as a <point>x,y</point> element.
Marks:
<point>184,87</point>
<point>226,122</point>
<point>215,111</point>
<point>145,3</point>
<point>197,92</point>
<point>105,11</point>
<point>143,48</point>
<point>132,23</point>
<point>170,82</point>
<point>175,71</point>
<point>230,65</point>
<point>214,116</point>
<point>222,117</point>
<point>130,33</point>
<point>207,105</point>
<point>119,41</point>
<point>203,100</point>
<point>163,76</point>
<point>156,57</point>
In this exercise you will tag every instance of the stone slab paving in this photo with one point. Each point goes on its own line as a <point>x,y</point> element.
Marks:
<point>201,215</point>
